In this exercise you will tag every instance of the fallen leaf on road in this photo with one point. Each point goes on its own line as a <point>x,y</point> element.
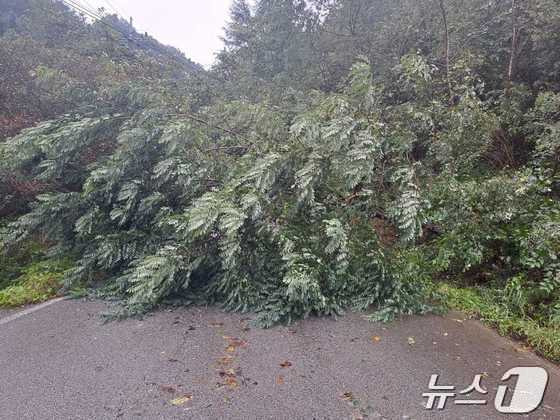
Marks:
<point>347,396</point>
<point>286,364</point>
<point>231,382</point>
<point>233,341</point>
<point>280,380</point>
<point>168,388</point>
<point>181,400</point>
<point>411,341</point>
<point>376,339</point>
<point>225,360</point>
<point>230,377</point>
<point>230,373</point>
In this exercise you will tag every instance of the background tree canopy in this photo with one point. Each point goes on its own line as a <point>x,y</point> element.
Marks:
<point>340,154</point>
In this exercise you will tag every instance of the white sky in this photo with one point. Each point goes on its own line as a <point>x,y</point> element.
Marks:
<point>193,26</point>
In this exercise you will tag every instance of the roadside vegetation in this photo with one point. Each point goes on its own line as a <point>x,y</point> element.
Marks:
<point>343,154</point>
<point>29,275</point>
<point>39,282</point>
<point>522,322</point>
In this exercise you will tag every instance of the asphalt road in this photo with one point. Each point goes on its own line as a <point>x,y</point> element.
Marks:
<point>62,362</point>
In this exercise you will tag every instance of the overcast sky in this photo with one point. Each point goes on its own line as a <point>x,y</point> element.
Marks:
<point>193,26</point>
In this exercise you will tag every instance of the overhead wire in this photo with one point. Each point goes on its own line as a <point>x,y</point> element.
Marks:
<point>80,8</point>
<point>97,18</point>
<point>114,8</point>
<point>204,79</point>
<point>193,72</point>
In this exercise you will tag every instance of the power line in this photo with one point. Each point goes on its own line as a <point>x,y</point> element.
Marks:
<point>88,4</point>
<point>191,116</point>
<point>72,4</point>
<point>193,72</point>
<point>97,18</point>
<point>114,8</point>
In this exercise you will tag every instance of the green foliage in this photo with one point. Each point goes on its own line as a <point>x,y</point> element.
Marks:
<point>11,266</point>
<point>55,63</point>
<point>146,216</point>
<point>407,209</point>
<point>499,309</point>
<point>39,282</point>
<point>336,160</point>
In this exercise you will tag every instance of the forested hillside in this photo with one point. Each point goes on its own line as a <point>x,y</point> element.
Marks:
<point>53,62</point>
<point>400,155</point>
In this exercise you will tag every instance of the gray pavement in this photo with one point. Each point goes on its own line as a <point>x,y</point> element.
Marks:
<point>62,362</point>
